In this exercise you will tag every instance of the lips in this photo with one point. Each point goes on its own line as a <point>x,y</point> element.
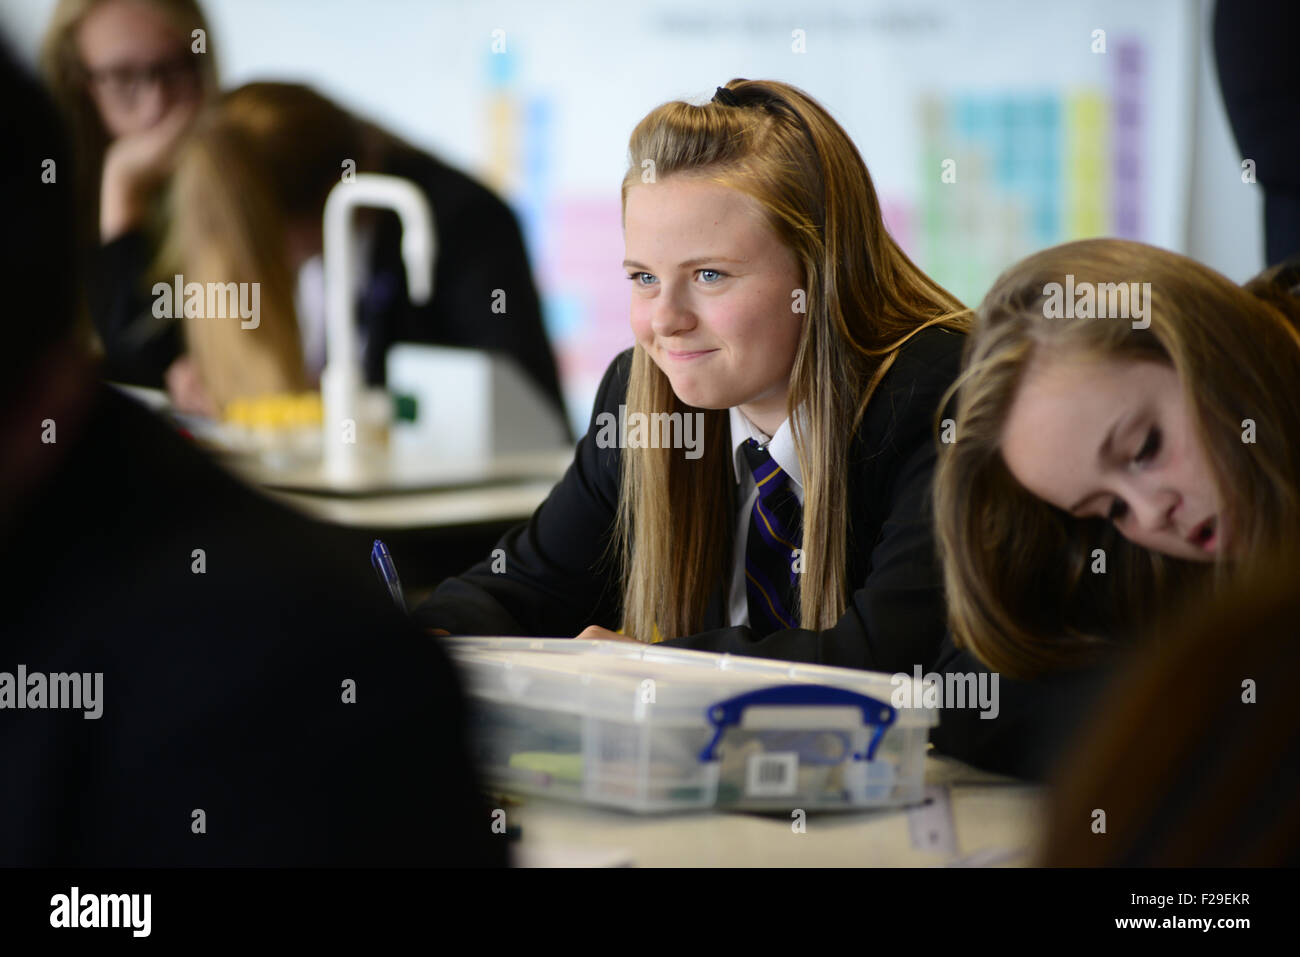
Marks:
<point>683,355</point>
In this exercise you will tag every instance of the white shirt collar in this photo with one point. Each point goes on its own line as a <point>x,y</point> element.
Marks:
<point>779,446</point>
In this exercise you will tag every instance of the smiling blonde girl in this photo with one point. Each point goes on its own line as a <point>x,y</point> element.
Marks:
<point>769,299</point>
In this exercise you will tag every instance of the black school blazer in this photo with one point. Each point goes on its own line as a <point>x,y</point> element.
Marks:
<point>558,577</point>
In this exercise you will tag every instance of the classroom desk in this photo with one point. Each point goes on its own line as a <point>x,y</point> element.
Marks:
<point>436,519</point>
<point>432,533</point>
<point>993,821</point>
<point>390,491</point>
<point>443,508</point>
<point>416,494</point>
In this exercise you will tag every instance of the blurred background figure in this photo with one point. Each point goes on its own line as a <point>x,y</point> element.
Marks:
<point>1259,74</point>
<point>129,76</point>
<point>1194,756</point>
<point>246,205</point>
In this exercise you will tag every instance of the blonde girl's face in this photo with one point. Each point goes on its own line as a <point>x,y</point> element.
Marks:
<point>139,66</point>
<point>713,296</point>
<point>1115,439</point>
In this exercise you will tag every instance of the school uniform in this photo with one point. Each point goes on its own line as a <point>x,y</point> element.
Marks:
<point>556,583</point>
<point>262,701</point>
<point>558,577</point>
<point>479,250</point>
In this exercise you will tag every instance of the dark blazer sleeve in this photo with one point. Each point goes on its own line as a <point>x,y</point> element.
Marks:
<point>1029,731</point>
<point>551,576</point>
<point>138,347</point>
<point>895,617</point>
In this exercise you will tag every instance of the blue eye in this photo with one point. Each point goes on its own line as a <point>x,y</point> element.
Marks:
<point>713,272</point>
<point>636,275</point>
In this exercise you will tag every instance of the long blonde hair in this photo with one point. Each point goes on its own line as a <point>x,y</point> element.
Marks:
<point>263,157</point>
<point>865,298</point>
<point>66,76</point>
<point>1020,590</point>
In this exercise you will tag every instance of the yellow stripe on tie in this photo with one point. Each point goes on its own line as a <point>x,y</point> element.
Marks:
<point>772,476</point>
<point>772,530</point>
<point>775,614</point>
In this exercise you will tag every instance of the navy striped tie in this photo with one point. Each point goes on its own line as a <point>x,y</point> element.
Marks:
<point>775,531</point>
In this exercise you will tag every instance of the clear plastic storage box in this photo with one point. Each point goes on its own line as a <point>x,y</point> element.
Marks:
<point>648,728</point>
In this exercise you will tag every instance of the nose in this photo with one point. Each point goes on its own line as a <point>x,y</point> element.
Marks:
<point>1153,508</point>
<point>671,315</point>
<point>153,103</point>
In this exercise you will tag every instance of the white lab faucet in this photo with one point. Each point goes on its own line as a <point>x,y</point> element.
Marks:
<point>342,379</point>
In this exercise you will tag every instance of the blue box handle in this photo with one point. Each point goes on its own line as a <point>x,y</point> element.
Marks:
<point>728,713</point>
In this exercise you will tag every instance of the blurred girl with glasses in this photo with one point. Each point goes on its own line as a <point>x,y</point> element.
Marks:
<point>130,76</point>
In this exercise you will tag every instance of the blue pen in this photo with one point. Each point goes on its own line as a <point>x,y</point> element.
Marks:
<point>383,563</point>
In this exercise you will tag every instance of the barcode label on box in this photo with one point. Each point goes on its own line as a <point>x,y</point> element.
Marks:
<point>775,774</point>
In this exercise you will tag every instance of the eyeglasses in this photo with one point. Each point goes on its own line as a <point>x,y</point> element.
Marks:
<point>124,84</point>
